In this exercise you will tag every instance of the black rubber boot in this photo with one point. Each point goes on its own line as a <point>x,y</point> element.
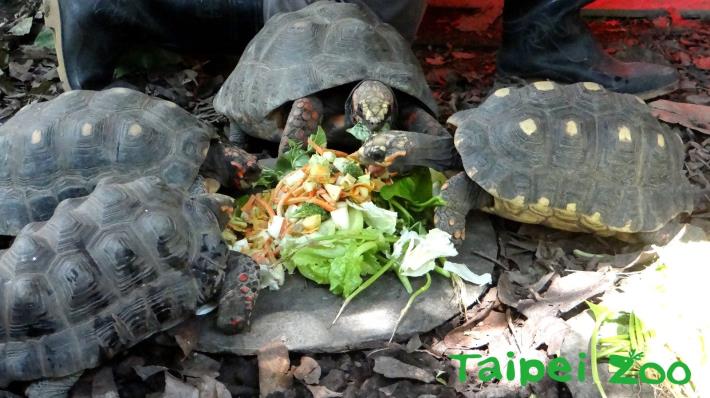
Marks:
<point>548,39</point>
<point>90,36</point>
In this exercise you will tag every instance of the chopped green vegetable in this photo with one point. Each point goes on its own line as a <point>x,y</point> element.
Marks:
<point>310,209</point>
<point>377,217</point>
<point>293,159</point>
<point>339,259</point>
<point>360,131</point>
<point>348,167</point>
<point>411,196</point>
<point>319,138</point>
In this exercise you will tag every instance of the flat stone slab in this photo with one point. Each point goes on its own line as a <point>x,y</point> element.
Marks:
<point>300,313</point>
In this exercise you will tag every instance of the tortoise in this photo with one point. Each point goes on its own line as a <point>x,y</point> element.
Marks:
<point>330,62</point>
<point>59,149</point>
<point>572,157</point>
<point>110,269</point>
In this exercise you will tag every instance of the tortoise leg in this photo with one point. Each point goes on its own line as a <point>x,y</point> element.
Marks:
<point>230,165</point>
<point>414,118</point>
<point>237,136</point>
<point>239,292</point>
<point>461,195</point>
<point>303,120</point>
<point>52,388</point>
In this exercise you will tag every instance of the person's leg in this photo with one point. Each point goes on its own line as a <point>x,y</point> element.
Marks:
<point>90,36</point>
<point>549,39</point>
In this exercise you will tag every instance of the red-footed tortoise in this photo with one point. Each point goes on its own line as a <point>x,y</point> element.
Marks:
<point>59,149</point>
<point>330,62</point>
<point>572,157</point>
<point>110,269</point>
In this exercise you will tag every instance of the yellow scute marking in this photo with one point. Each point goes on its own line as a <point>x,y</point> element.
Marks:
<point>594,219</point>
<point>528,126</point>
<point>135,130</point>
<point>571,207</point>
<point>502,92</point>
<point>626,228</point>
<point>591,86</point>
<point>518,201</point>
<point>624,134</point>
<point>36,137</point>
<point>571,129</point>
<point>86,129</point>
<point>661,141</point>
<point>543,202</point>
<point>544,85</point>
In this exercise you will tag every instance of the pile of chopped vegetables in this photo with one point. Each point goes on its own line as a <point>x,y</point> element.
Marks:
<point>335,223</point>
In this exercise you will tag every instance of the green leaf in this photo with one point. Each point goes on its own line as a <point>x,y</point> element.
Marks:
<point>411,197</point>
<point>340,259</point>
<point>360,132</point>
<point>345,273</point>
<point>319,138</point>
<point>415,187</point>
<point>45,39</point>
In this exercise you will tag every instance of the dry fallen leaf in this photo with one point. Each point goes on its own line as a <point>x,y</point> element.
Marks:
<point>479,335</point>
<point>175,388</point>
<point>308,371</point>
<point>395,369</point>
<point>696,117</point>
<point>566,293</point>
<point>323,392</point>
<point>274,368</point>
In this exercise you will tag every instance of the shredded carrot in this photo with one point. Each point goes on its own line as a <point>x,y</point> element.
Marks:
<point>249,204</point>
<point>280,205</point>
<point>284,228</point>
<point>276,190</point>
<point>265,206</point>
<point>295,201</point>
<point>325,205</point>
<point>315,147</point>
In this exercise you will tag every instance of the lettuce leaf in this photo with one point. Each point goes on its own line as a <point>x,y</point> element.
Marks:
<point>411,197</point>
<point>340,259</point>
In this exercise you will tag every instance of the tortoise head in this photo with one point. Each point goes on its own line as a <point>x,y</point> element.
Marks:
<point>373,104</point>
<point>400,151</point>
<point>230,165</point>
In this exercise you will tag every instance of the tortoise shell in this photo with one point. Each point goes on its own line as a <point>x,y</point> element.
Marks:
<point>319,47</point>
<point>105,272</point>
<point>59,149</point>
<point>574,157</point>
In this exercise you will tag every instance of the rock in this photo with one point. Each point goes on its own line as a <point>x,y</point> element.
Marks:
<point>335,380</point>
<point>301,312</point>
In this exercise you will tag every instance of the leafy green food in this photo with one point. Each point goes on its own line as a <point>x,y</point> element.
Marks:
<point>347,166</point>
<point>310,209</point>
<point>319,138</point>
<point>360,131</point>
<point>339,259</point>
<point>411,196</point>
<point>295,158</point>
